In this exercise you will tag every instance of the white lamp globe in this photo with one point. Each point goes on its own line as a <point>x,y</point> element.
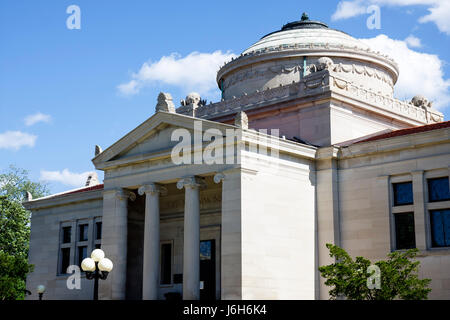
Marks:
<point>88,265</point>
<point>97,255</point>
<point>105,265</point>
<point>41,289</point>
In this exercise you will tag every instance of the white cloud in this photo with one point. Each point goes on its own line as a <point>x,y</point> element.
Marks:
<point>37,117</point>
<point>439,10</point>
<point>413,42</point>
<point>194,72</point>
<point>16,139</point>
<point>348,9</point>
<point>65,177</point>
<point>420,73</point>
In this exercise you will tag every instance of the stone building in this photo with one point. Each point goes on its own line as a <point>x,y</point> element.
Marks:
<point>315,150</point>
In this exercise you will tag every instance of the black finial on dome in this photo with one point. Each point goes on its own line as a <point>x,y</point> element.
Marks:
<point>303,23</point>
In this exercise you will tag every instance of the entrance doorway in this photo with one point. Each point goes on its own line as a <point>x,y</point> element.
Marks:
<point>208,269</point>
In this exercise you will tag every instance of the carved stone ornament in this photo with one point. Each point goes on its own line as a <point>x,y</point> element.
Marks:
<point>98,150</point>
<point>324,63</point>
<point>192,99</point>
<point>28,196</point>
<point>241,120</point>
<point>122,194</point>
<point>219,177</point>
<point>152,188</point>
<point>165,103</point>
<point>421,102</point>
<point>92,179</point>
<point>192,182</point>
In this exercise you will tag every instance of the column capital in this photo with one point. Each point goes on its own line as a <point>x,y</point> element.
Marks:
<point>151,188</point>
<point>122,194</point>
<point>219,177</point>
<point>191,182</point>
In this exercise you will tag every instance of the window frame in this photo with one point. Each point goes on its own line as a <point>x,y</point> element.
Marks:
<point>428,190</point>
<point>161,243</point>
<point>90,243</point>
<point>394,198</point>
<point>431,230</point>
<point>397,233</point>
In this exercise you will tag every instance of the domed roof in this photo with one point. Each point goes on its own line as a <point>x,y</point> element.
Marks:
<point>299,45</point>
<point>306,32</point>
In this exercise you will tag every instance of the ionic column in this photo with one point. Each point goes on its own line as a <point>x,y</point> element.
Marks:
<point>191,254</point>
<point>151,240</point>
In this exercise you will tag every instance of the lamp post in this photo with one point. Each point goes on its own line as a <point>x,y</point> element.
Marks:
<point>40,291</point>
<point>97,267</point>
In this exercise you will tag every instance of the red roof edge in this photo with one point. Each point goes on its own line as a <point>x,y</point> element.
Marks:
<point>92,188</point>
<point>403,132</point>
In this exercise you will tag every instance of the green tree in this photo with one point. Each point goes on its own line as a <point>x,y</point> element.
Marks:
<point>15,231</point>
<point>398,274</point>
<point>14,184</point>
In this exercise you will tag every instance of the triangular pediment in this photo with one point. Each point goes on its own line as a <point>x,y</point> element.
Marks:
<point>153,136</point>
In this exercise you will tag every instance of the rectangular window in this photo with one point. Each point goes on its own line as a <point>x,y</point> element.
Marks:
<point>65,260</point>
<point>82,253</point>
<point>67,234</point>
<point>166,263</point>
<point>404,231</point>
<point>83,235</point>
<point>438,189</point>
<point>440,228</point>
<point>98,230</point>
<point>403,193</point>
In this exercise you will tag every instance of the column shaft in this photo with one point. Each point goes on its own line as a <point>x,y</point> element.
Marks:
<point>191,257</point>
<point>150,284</point>
<point>191,254</point>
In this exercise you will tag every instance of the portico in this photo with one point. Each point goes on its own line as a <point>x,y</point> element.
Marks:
<point>197,211</point>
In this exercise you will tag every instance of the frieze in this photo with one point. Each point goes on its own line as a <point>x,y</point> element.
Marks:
<point>207,200</point>
<point>278,70</point>
<point>311,46</point>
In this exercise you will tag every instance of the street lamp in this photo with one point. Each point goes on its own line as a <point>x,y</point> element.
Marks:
<point>97,262</point>
<point>40,291</point>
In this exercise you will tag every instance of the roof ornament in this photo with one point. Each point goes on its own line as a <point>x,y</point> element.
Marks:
<point>241,120</point>
<point>305,17</point>
<point>193,101</point>
<point>421,102</point>
<point>92,179</point>
<point>28,196</point>
<point>165,103</point>
<point>98,150</point>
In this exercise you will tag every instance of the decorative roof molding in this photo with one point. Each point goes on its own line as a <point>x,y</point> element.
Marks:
<point>314,83</point>
<point>302,49</point>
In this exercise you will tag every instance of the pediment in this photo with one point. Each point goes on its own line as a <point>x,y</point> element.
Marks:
<point>152,137</point>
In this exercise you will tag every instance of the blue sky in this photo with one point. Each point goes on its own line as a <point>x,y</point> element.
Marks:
<point>63,91</point>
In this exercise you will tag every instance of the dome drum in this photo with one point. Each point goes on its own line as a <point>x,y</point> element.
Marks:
<point>288,55</point>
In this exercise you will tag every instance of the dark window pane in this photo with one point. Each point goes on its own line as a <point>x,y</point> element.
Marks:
<point>166,263</point>
<point>98,230</point>
<point>82,253</point>
<point>98,246</point>
<point>205,250</point>
<point>438,189</point>
<point>404,231</point>
<point>440,228</point>
<point>403,193</point>
<point>65,260</point>
<point>83,232</point>
<point>67,231</point>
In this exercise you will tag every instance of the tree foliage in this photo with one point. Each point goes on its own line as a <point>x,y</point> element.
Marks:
<point>399,277</point>
<point>15,182</point>
<point>15,231</point>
